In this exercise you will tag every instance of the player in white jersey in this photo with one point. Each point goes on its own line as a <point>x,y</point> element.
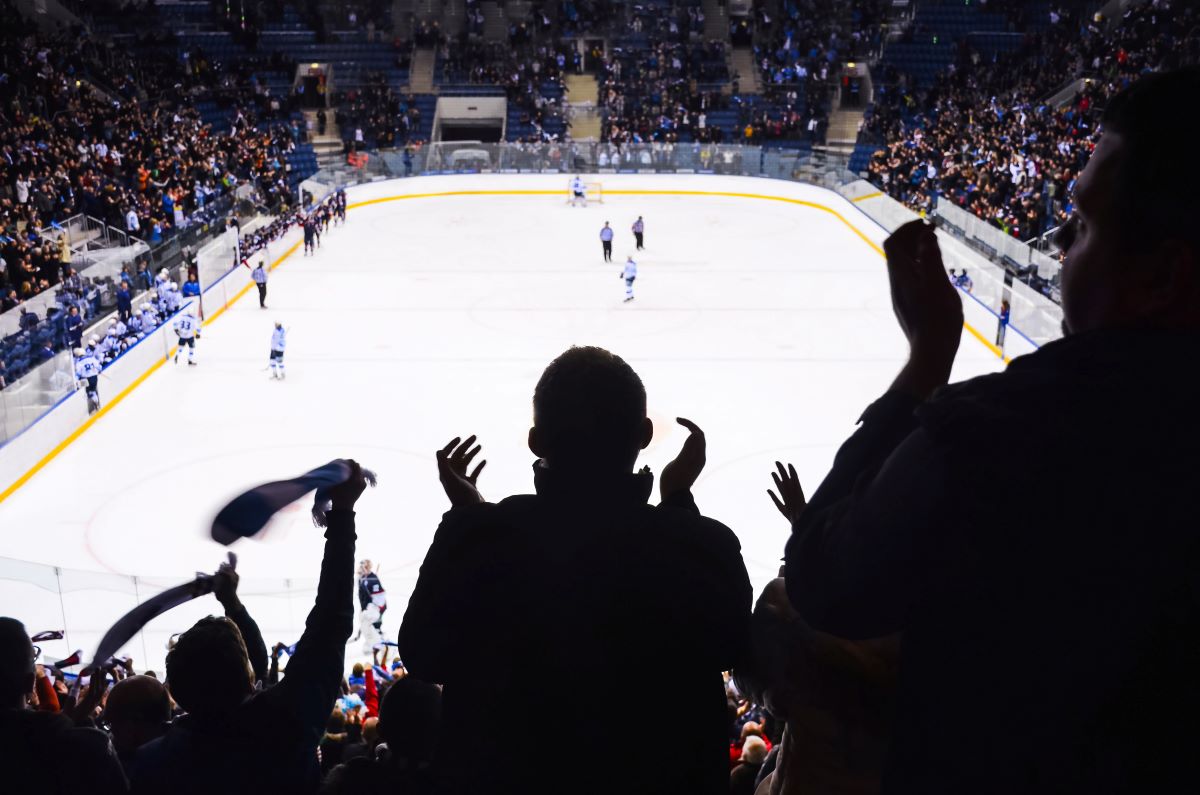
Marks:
<point>629,274</point>
<point>174,298</point>
<point>149,319</point>
<point>578,192</point>
<point>187,329</point>
<point>109,347</point>
<point>87,371</point>
<point>278,344</point>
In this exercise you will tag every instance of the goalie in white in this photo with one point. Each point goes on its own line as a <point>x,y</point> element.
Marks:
<point>578,192</point>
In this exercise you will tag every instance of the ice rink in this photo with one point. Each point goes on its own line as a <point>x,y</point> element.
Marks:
<point>766,322</point>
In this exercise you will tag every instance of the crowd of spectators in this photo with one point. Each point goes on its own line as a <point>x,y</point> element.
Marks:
<point>144,168</point>
<point>531,72</point>
<point>799,53</point>
<point>116,135</point>
<point>983,135</point>
<point>659,83</point>
<point>376,116</point>
<point>654,93</point>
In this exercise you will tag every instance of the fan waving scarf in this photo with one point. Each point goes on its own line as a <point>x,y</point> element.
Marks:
<point>132,622</point>
<point>249,513</point>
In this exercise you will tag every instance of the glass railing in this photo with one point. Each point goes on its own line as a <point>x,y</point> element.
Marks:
<point>800,165</point>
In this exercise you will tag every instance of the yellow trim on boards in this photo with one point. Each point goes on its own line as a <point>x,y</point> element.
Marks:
<point>75,434</point>
<point>21,481</point>
<point>863,198</point>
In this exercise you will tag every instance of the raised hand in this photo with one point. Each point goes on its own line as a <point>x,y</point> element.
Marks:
<point>85,709</point>
<point>225,583</point>
<point>453,461</point>
<point>927,307</point>
<point>679,475</point>
<point>790,502</point>
<point>926,304</point>
<point>345,494</point>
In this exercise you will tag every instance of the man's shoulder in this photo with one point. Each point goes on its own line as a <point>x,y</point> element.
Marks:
<point>693,527</point>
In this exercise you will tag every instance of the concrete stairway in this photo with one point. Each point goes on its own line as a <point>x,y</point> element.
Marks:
<point>427,10</point>
<point>583,107</point>
<point>495,23</point>
<point>328,147</point>
<point>742,65</point>
<point>716,20</point>
<point>420,71</point>
<point>843,129</point>
<point>402,12</point>
<point>454,17</point>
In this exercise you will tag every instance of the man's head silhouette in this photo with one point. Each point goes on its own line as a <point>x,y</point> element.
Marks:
<point>589,413</point>
<point>208,670</point>
<point>1133,244</point>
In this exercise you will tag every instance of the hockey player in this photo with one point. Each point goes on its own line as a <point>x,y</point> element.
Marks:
<point>149,319</point>
<point>629,274</point>
<point>161,281</point>
<point>109,347</point>
<point>174,300</point>
<point>639,229</point>
<point>372,602</point>
<point>87,371</point>
<point>187,329</point>
<point>578,193</point>
<point>278,344</point>
<point>310,235</point>
<point>606,238</point>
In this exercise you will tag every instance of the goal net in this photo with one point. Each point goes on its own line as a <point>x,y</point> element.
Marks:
<point>595,191</point>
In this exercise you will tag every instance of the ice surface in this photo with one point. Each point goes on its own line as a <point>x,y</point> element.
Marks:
<point>767,323</point>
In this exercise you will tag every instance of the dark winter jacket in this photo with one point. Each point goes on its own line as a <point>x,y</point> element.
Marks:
<point>1033,534</point>
<point>270,743</point>
<point>553,619</point>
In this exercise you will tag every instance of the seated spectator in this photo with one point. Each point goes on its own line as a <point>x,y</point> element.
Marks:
<point>43,750</point>
<point>234,739</point>
<point>1049,632</point>
<point>525,609</point>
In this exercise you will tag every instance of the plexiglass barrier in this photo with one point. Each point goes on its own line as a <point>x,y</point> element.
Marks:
<point>84,604</point>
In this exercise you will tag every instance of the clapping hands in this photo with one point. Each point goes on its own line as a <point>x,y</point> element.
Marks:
<point>679,475</point>
<point>927,307</point>
<point>453,461</point>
